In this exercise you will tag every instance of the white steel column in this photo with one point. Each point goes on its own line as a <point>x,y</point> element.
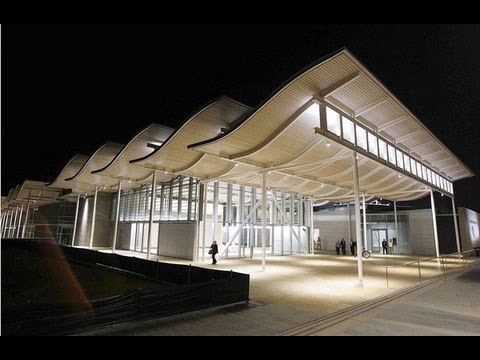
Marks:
<point>264,221</point>
<point>364,223</point>
<point>19,222</point>
<point>117,216</point>
<point>77,209</point>
<point>152,214</point>
<point>349,223</point>
<point>12,230</point>
<point>435,228</point>
<point>9,232</point>
<point>195,216</point>
<point>92,230</point>
<point>457,234</point>
<point>312,231</point>
<point>205,203</point>
<point>25,222</point>
<point>4,216</point>
<point>356,182</point>
<point>396,226</point>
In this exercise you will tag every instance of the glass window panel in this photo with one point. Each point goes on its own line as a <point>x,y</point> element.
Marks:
<point>391,155</point>
<point>419,169</point>
<point>382,150</point>
<point>429,176</point>
<point>406,161</point>
<point>348,130</point>
<point>372,144</point>
<point>400,159</point>
<point>424,173</point>
<point>333,122</point>
<point>361,137</point>
<point>413,165</point>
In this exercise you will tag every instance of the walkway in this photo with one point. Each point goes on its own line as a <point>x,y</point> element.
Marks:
<point>293,291</point>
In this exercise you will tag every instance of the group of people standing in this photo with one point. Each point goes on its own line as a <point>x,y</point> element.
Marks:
<point>341,245</point>
<point>388,247</point>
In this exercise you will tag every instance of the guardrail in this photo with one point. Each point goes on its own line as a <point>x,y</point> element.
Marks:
<point>443,264</point>
<point>194,289</point>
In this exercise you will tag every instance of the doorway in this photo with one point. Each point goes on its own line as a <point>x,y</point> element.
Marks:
<point>376,240</point>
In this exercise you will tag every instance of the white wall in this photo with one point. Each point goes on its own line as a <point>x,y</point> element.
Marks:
<point>422,239</point>
<point>333,226</point>
<point>469,222</point>
<point>177,240</point>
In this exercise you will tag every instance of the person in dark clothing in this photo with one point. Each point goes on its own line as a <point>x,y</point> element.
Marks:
<point>385,247</point>
<point>214,251</point>
<point>344,247</point>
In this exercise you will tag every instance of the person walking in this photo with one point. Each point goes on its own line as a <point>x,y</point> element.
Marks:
<point>344,247</point>
<point>214,251</point>
<point>385,247</point>
<point>337,247</point>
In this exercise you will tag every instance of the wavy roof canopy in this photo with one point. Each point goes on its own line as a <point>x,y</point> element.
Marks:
<point>35,192</point>
<point>174,157</point>
<point>142,145</point>
<point>85,181</point>
<point>70,170</point>
<point>281,135</point>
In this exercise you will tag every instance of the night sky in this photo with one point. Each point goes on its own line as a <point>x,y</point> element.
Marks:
<point>69,89</point>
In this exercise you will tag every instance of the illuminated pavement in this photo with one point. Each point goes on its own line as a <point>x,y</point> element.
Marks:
<point>292,292</point>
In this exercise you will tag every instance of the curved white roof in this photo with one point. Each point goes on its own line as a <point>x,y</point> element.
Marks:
<point>173,157</point>
<point>70,170</point>
<point>283,137</point>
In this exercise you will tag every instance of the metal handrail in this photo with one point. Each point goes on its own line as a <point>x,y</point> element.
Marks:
<point>443,263</point>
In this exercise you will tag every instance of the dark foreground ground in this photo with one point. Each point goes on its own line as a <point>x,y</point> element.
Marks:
<point>45,277</point>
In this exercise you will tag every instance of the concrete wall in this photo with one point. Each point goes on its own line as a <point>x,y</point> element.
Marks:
<point>333,226</point>
<point>469,222</point>
<point>123,237</point>
<point>422,240</point>
<point>103,235</point>
<point>177,240</point>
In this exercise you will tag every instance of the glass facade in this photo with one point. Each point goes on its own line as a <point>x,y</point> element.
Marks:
<point>233,217</point>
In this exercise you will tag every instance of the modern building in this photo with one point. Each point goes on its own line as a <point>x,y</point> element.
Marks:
<point>250,178</point>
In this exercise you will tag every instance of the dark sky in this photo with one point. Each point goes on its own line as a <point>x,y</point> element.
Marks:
<point>69,89</point>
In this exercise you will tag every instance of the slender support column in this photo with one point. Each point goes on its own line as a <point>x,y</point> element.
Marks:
<point>435,228</point>
<point>77,209</point>
<point>364,223</point>
<point>205,203</point>
<point>4,216</point>
<point>312,232</point>
<point>152,214</point>
<point>358,219</point>
<point>349,222</point>
<point>12,230</point>
<point>9,231</point>
<point>196,214</point>
<point>396,226</point>
<point>455,220</point>
<point>94,215</point>
<point>117,216</point>
<point>25,222</point>
<point>19,222</point>
<point>264,221</point>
